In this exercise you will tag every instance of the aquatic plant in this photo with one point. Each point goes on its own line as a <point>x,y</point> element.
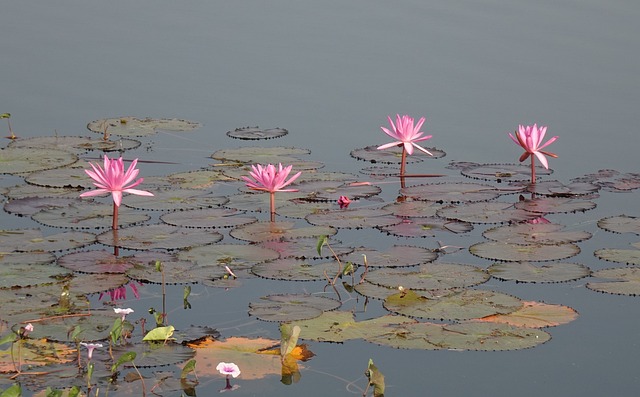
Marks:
<point>272,180</point>
<point>406,134</point>
<point>530,139</point>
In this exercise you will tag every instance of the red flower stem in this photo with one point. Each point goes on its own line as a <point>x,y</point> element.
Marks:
<point>272,200</point>
<point>533,170</point>
<point>403,161</point>
<point>114,226</point>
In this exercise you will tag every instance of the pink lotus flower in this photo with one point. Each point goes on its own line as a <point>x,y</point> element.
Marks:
<point>113,179</point>
<point>406,134</point>
<point>344,201</point>
<point>90,348</point>
<point>272,180</point>
<point>530,139</point>
<point>228,369</point>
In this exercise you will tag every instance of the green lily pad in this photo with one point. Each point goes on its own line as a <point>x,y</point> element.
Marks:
<point>503,172</point>
<point>306,248</point>
<point>527,272</point>
<point>133,127</point>
<point>299,209</point>
<point>626,256</point>
<point>98,262</point>
<point>257,133</point>
<point>555,205</point>
<point>29,269</point>
<point>535,233</point>
<point>235,256</point>
<point>291,307</point>
<point>31,191</point>
<point>256,202</point>
<point>495,250</point>
<point>396,256</point>
<point>175,272</point>
<point>97,283</point>
<point>620,224</point>
<point>426,227</point>
<point>461,305</point>
<point>266,231</point>
<point>357,218</point>
<point>555,188</point>
<point>339,326</point>
<point>200,179</point>
<point>30,205</point>
<point>452,192</point>
<point>87,215</point>
<point>207,218</point>
<point>174,199</point>
<point>413,208</point>
<point>76,144</point>
<point>332,190</point>
<point>158,237</point>
<point>95,326</point>
<point>393,155</point>
<point>44,300</point>
<point>493,212</point>
<point>260,155</point>
<point>374,291</point>
<point>292,269</point>
<point>24,160</point>
<point>624,281</point>
<point>29,240</point>
<point>72,176</point>
<point>429,276</point>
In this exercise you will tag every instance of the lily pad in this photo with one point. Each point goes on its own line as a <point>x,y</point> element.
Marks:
<point>612,180</point>
<point>555,205</point>
<point>496,250</point>
<point>256,202</point>
<point>67,177</point>
<point>266,231</point>
<point>535,233</point>
<point>413,208</point>
<point>174,272</point>
<point>97,283</point>
<point>461,305</point>
<point>557,189</point>
<point>301,208</point>
<point>30,205</point>
<point>29,269</point>
<point>154,354</point>
<point>29,191</point>
<point>158,237</point>
<point>392,155</point>
<point>257,133</point>
<point>260,155</point>
<point>292,269</point>
<point>503,172</point>
<point>36,353</point>
<point>374,291</point>
<point>332,190</point>
<point>174,199</point>
<point>235,256</point>
<point>87,215</point>
<point>357,218</point>
<point>200,179</point>
<point>426,227</point>
<point>624,281</point>
<point>24,160</point>
<point>29,240</point>
<point>95,326</point>
<point>452,192</point>
<point>76,144</point>
<point>99,262</point>
<point>536,315</point>
<point>207,218</point>
<point>429,276</point>
<point>306,248</point>
<point>291,307</point>
<point>620,224</point>
<point>626,256</point>
<point>493,212</point>
<point>133,127</point>
<point>396,256</point>
<point>527,272</point>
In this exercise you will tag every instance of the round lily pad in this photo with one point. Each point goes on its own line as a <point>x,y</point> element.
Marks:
<point>503,172</point>
<point>92,283</point>
<point>29,191</point>
<point>429,276</point>
<point>29,269</point>
<point>301,208</point>
<point>357,218</point>
<point>133,127</point>
<point>496,250</point>
<point>260,155</point>
<point>26,240</point>
<point>374,291</point>
<point>620,224</point>
<point>291,307</point>
<point>30,205</point>
<point>87,215</point>
<point>461,305</point>
<point>257,202</point>
<point>257,133</point>
<point>67,177</point>
<point>175,272</point>
<point>527,272</point>
<point>95,326</point>
<point>158,237</point>
<point>451,192</point>
<point>555,205</point>
<point>174,200</point>
<point>207,218</point>
<point>626,256</point>
<point>393,155</point>
<point>426,227</point>
<point>76,144</point>
<point>413,208</point>
<point>624,281</point>
<point>535,233</point>
<point>396,256</point>
<point>332,190</point>
<point>555,188</point>
<point>292,269</point>
<point>96,262</point>
<point>306,248</point>
<point>536,315</point>
<point>265,231</point>
<point>25,160</point>
<point>200,179</point>
<point>235,256</point>
<point>493,212</point>
<point>154,354</point>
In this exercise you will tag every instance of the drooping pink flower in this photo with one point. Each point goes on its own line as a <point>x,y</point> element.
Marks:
<point>270,179</point>
<point>405,133</point>
<point>113,179</point>
<point>530,139</point>
<point>228,369</point>
<point>90,348</point>
<point>26,330</point>
<point>344,201</point>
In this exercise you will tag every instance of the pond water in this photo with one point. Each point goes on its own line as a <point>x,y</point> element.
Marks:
<point>330,72</point>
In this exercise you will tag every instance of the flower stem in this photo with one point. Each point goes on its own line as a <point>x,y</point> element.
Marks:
<point>533,170</point>
<point>403,161</point>
<point>272,200</point>
<point>114,226</point>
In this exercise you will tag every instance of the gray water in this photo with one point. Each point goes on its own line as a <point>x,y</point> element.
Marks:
<point>330,72</point>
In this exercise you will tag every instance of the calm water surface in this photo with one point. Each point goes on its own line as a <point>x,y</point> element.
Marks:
<point>330,72</point>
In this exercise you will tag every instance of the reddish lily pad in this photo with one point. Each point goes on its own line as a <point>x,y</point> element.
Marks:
<point>133,127</point>
<point>493,212</point>
<point>452,192</point>
<point>172,200</point>
<point>535,315</point>
<point>158,237</point>
<point>555,205</point>
<point>624,281</point>
<point>426,227</point>
<point>503,172</point>
<point>357,218</point>
<point>535,233</point>
<point>174,272</point>
<point>620,224</point>
<point>24,160</point>
<point>87,215</point>
<point>527,272</point>
<point>626,256</point>
<point>396,256</point>
<point>257,202</point>
<point>291,307</point>
<point>207,218</point>
<point>257,133</point>
<point>92,283</point>
<point>429,276</point>
<point>266,231</point>
<point>392,155</point>
<point>496,250</point>
<point>102,261</point>
<point>612,180</point>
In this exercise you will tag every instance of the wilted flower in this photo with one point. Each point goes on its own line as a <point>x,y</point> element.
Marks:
<point>406,134</point>
<point>230,272</point>
<point>530,139</point>
<point>90,347</point>
<point>121,292</point>
<point>26,330</point>
<point>344,201</point>
<point>124,312</point>
<point>228,369</point>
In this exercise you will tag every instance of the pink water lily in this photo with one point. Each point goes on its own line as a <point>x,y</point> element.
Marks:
<point>271,179</point>
<point>530,139</point>
<point>344,201</point>
<point>113,179</point>
<point>405,133</point>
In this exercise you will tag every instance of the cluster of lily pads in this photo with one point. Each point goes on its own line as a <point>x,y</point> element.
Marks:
<point>215,226</point>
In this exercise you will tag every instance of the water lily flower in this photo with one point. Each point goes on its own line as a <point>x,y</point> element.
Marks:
<point>272,180</point>
<point>124,312</point>
<point>530,139</point>
<point>228,369</point>
<point>26,330</point>
<point>405,133</point>
<point>90,348</point>
<point>344,201</point>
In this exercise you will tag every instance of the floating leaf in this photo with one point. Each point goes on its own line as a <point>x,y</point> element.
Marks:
<point>555,188</point>
<point>87,215</point>
<point>159,334</point>
<point>256,133</point>
<point>29,269</point>
<point>396,256</point>
<point>555,205</point>
<point>174,272</point>
<point>200,179</point>
<point>503,172</point>
<point>158,237</point>
<point>36,352</point>
<point>178,199</point>
<point>460,305</point>
<point>612,180</point>
<point>374,291</point>
<point>452,192</point>
<point>76,144</point>
<point>496,250</point>
<point>295,270</point>
<point>27,304</point>
<point>527,272</point>
<point>260,155</point>
<point>305,248</point>
<point>426,227</point>
<point>103,261</point>
<point>258,202</point>
<point>392,155</point>
<point>291,307</point>
<point>535,233</point>
<point>132,127</point>
<point>301,208</point>
<point>94,326</point>
<point>620,224</point>
<point>627,256</point>
<point>72,177</point>
<point>266,231</point>
<point>91,283</point>
<point>413,208</point>
<point>31,191</point>
<point>235,256</point>
<point>207,218</point>
<point>429,276</point>
<point>332,190</point>
<point>624,281</point>
<point>29,240</point>
<point>156,354</point>
<point>493,212</point>
<point>535,315</point>
<point>25,160</point>
<point>357,218</point>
